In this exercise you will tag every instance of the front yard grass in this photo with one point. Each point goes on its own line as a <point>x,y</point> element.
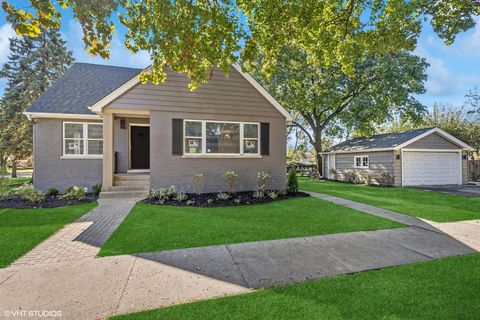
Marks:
<point>11,183</point>
<point>439,289</point>
<point>150,228</point>
<point>434,206</point>
<point>22,229</point>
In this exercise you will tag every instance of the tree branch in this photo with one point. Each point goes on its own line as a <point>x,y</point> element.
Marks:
<point>309,136</point>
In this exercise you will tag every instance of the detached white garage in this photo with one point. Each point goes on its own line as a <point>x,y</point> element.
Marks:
<point>428,156</point>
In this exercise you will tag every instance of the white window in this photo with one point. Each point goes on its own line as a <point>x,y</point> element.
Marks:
<point>221,138</point>
<point>361,162</point>
<point>82,139</point>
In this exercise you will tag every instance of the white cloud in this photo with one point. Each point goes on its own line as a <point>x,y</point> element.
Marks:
<point>468,44</point>
<point>441,81</point>
<point>119,55</point>
<point>6,32</point>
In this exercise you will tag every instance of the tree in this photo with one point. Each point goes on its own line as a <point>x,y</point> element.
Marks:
<point>32,66</point>
<point>195,36</point>
<point>328,100</point>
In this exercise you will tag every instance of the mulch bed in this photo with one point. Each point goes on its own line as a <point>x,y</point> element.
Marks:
<point>246,198</point>
<point>49,202</point>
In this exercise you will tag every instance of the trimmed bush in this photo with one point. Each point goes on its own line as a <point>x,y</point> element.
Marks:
<point>292,181</point>
<point>230,180</point>
<point>384,179</point>
<point>75,193</point>
<point>52,192</point>
<point>29,193</point>
<point>97,188</point>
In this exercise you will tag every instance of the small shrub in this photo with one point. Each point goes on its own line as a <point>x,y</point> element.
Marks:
<point>334,172</point>
<point>292,181</point>
<point>223,196</point>
<point>210,202</point>
<point>172,191</point>
<point>230,180</point>
<point>349,176</point>
<point>263,180</point>
<point>258,194</point>
<point>384,179</point>
<point>160,194</point>
<point>52,192</point>
<point>76,193</point>
<point>69,189</point>
<point>272,194</point>
<point>190,202</point>
<point>198,181</point>
<point>370,178</point>
<point>181,196</point>
<point>359,178</point>
<point>29,193</point>
<point>237,201</point>
<point>6,194</point>
<point>97,188</point>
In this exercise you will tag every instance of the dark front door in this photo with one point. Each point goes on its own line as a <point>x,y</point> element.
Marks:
<point>140,147</point>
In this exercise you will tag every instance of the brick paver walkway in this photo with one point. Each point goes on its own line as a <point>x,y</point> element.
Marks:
<point>82,238</point>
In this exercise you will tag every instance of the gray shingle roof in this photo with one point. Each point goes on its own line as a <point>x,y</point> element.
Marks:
<point>385,140</point>
<point>81,86</point>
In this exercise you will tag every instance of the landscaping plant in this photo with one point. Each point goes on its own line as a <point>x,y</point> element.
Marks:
<point>292,181</point>
<point>97,188</point>
<point>52,192</point>
<point>75,193</point>
<point>223,196</point>
<point>198,180</point>
<point>29,193</point>
<point>230,180</point>
<point>263,180</point>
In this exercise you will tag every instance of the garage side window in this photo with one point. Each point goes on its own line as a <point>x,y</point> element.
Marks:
<point>361,162</point>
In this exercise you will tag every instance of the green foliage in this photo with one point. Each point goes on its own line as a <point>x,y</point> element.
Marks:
<point>198,180</point>
<point>29,193</point>
<point>97,188</point>
<point>230,180</point>
<point>223,196</point>
<point>52,192</point>
<point>292,181</point>
<point>75,193</point>
<point>33,65</point>
<point>196,36</point>
<point>264,179</point>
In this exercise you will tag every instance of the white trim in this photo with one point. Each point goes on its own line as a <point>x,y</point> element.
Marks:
<point>130,125</point>
<point>264,93</point>
<point>361,157</point>
<point>446,135</point>
<point>138,171</point>
<point>35,115</point>
<point>460,160</point>
<point>203,137</point>
<point>99,105</point>
<point>358,151</point>
<point>85,140</point>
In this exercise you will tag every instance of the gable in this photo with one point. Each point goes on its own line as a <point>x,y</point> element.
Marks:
<point>233,95</point>
<point>433,141</point>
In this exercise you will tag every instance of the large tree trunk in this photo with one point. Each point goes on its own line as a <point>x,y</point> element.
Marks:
<point>14,168</point>
<point>3,164</point>
<point>318,150</point>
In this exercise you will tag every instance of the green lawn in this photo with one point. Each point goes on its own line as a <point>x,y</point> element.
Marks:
<point>11,183</point>
<point>440,289</point>
<point>22,229</point>
<point>152,228</point>
<point>434,206</point>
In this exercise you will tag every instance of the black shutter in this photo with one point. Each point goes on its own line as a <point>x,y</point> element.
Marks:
<point>177,137</point>
<point>265,139</point>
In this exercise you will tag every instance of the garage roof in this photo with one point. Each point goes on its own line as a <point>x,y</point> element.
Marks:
<point>391,141</point>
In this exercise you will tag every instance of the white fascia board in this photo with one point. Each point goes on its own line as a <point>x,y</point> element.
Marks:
<point>358,151</point>
<point>444,134</point>
<point>264,93</point>
<point>36,115</point>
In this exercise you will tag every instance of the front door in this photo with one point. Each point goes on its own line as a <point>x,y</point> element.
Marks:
<point>139,147</point>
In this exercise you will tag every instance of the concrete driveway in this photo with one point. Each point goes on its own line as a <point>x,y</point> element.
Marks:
<point>469,190</point>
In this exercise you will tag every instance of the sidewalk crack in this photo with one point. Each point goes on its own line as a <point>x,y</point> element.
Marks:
<point>126,283</point>
<point>236,264</point>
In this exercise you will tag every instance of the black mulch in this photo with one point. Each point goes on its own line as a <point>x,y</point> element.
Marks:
<point>246,198</point>
<point>49,202</point>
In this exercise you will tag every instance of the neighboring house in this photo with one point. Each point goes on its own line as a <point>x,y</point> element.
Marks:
<point>99,124</point>
<point>427,156</point>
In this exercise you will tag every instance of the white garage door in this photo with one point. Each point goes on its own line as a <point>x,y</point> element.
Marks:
<point>431,168</point>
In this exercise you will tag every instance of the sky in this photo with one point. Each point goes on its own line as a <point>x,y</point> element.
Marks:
<point>454,70</point>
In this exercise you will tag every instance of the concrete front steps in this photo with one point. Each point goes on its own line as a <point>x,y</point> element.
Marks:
<point>128,186</point>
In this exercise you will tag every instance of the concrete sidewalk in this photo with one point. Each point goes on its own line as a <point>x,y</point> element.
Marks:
<point>467,232</point>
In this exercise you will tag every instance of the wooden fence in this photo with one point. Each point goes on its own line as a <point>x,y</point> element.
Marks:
<point>474,170</point>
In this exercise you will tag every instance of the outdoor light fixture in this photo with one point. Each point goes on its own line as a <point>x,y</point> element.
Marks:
<point>398,157</point>
<point>465,157</point>
<point>122,123</point>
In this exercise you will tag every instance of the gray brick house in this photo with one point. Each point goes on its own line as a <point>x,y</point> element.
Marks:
<point>99,124</point>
